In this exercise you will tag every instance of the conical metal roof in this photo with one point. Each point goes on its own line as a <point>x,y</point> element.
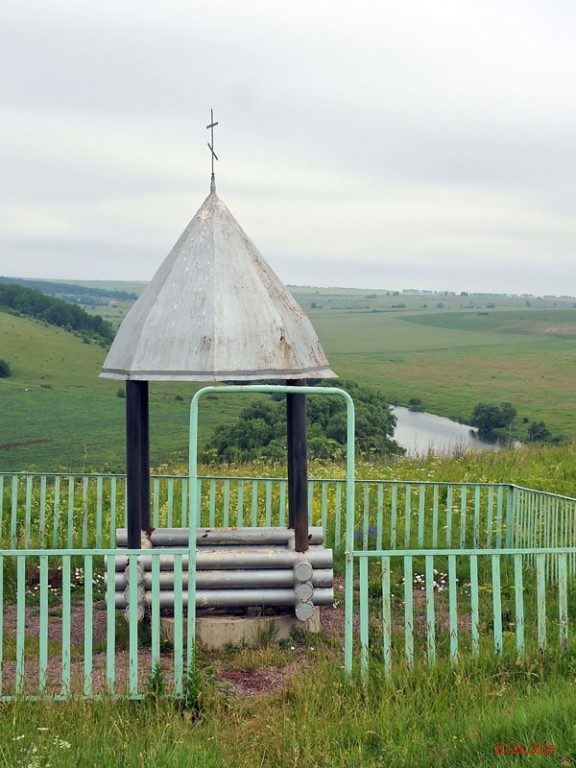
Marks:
<point>215,311</point>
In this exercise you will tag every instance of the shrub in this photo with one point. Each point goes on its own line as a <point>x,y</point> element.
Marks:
<point>488,417</point>
<point>5,370</point>
<point>260,430</point>
<point>538,432</point>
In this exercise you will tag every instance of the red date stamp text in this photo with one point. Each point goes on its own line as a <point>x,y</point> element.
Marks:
<point>522,749</point>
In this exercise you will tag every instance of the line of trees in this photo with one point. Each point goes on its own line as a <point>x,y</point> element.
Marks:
<point>494,419</point>
<point>260,430</point>
<point>35,304</point>
<point>69,289</point>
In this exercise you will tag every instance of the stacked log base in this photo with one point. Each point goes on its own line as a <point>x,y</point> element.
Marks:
<point>235,568</point>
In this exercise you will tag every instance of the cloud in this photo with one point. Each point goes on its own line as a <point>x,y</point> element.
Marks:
<point>413,132</point>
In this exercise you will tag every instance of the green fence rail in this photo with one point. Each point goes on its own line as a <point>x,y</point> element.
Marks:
<point>61,635</point>
<point>83,511</point>
<point>416,606</point>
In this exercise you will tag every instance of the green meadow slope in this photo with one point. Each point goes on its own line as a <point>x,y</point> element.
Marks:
<point>453,360</point>
<point>56,412</point>
<point>450,353</point>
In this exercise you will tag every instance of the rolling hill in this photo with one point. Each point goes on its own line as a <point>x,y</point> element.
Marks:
<point>450,354</point>
<point>55,412</point>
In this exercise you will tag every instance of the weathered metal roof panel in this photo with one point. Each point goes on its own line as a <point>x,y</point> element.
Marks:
<point>215,311</point>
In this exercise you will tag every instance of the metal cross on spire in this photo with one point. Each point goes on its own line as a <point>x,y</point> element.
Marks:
<point>211,148</point>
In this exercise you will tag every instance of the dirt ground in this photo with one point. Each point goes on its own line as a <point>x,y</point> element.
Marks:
<point>239,681</point>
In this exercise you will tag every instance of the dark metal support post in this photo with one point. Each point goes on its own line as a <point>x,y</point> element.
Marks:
<point>137,460</point>
<point>144,458</point>
<point>297,466</point>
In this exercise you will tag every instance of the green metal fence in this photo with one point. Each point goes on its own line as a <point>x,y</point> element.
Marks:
<point>60,633</point>
<point>46,510</point>
<point>504,543</point>
<point>416,606</point>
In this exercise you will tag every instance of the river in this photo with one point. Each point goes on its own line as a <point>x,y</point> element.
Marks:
<point>421,432</point>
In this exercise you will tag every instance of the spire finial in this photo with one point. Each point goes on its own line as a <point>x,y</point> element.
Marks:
<point>211,148</point>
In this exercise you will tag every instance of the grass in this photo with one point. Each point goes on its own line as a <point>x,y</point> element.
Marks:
<point>56,412</point>
<point>542,467</point>
<point>558,322</point>
<point>31,648</point>
<point>436,718</point>
<point>319,719</point>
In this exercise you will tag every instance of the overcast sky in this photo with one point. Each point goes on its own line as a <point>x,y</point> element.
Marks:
<point>386,144</point>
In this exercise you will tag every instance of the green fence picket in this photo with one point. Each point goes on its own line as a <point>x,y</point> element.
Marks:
<point>386,616</point>
<point>453,608</point>
<point>20,621</point>
<point>519,605</point>
<point>541,599</point>
<point>497,603</point>
<point>474,606</point>
<point>364,615</point>
<point>178,626</point>
<point>66,624</point>
<point>43,628</point>
<point>421,513</point>
<point>430,622</point>
<point>1,626</point>
<point>111,625</point>
<point>88,623</point>
<point>408,612</point>
<point>563,602</point>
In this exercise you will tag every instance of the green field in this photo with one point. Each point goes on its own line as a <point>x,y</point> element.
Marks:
<point>453,360</point>
<point>450,351</point>
<point>56,413</point>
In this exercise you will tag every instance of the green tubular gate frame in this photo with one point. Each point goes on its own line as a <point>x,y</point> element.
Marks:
<point>195,494</point>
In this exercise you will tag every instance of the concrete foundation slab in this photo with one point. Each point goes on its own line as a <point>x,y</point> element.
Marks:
<point>214,632</point>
